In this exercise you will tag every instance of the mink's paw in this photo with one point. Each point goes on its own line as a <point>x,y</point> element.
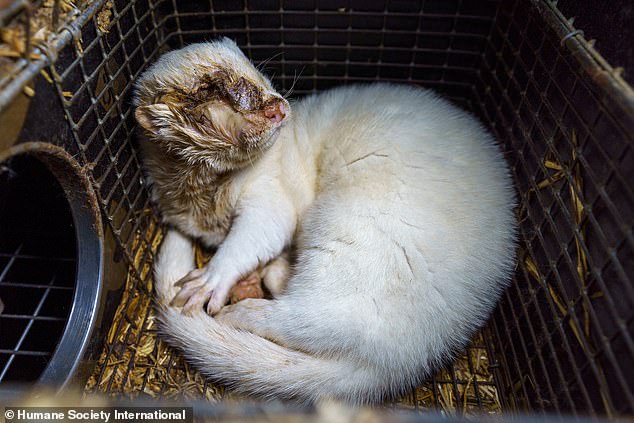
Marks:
<point>197,288</point>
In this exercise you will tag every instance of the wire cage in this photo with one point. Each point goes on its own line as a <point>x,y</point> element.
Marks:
<point>561,339</point>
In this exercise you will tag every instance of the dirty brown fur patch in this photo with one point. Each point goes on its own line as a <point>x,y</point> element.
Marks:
<point>219,88</point>
<point>243,95</point>
<point>196,194</point>
<point>202,121</point>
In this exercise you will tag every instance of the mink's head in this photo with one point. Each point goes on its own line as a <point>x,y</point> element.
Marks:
<point>207,103</point>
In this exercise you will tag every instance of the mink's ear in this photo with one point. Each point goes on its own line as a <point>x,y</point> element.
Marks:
<point>153,117</point>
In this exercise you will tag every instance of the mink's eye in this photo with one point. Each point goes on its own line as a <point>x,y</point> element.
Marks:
<point>244,95</point>
<point>242,100</point>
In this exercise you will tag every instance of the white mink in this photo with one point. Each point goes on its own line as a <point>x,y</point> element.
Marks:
<point>398,204</point>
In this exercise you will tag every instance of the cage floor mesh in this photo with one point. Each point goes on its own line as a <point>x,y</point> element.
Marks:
<point>561,339</point>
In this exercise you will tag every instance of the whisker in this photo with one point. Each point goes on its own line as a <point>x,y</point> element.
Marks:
<point>265,62</point>
<point>289,92</point>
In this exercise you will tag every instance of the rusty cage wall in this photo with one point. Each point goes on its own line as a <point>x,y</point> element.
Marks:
<point>560,340</point>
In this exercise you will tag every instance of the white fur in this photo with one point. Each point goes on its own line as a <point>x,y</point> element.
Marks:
<point>400,208</point>
<point>175,259</point>
<point>275,275</point>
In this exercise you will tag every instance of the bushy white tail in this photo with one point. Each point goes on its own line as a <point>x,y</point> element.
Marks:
<point>250,364</point>
<point>245,362</point>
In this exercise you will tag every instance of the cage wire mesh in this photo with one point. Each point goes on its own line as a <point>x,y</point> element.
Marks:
<point>561,339</point>
<point>564,329</point>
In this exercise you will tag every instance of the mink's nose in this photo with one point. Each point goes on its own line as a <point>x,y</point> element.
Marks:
<point>275,111</point>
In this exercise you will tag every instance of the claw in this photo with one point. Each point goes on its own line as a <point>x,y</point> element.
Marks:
<point>194,274</point>
<point>186,292</point>
<point>218,300</point>
<point>197,288</point>
<point>197,299</point>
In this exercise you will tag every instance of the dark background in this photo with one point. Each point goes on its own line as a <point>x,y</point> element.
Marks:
<point>611,23</point>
